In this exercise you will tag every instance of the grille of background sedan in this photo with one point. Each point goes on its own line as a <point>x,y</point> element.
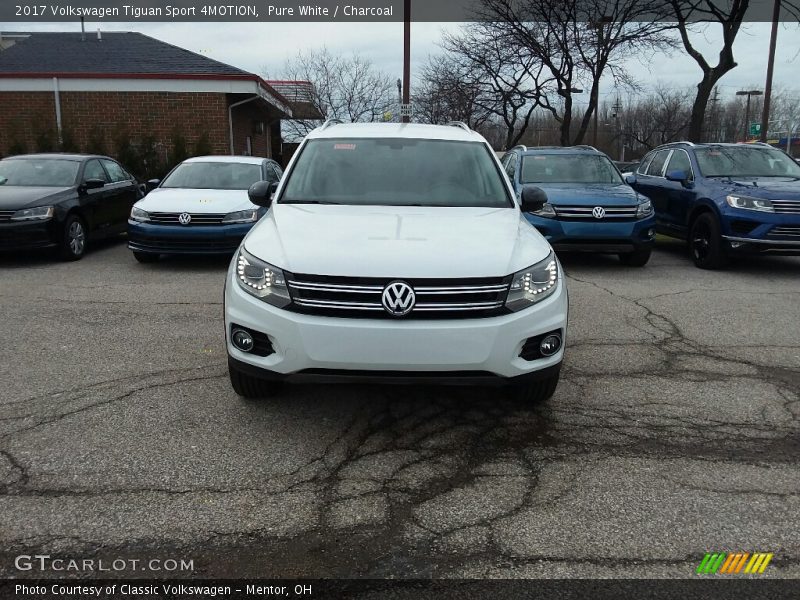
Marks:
<point>5,215</point>
<point>585,212</point>
<point>360,297</point>
<point>170,218</point>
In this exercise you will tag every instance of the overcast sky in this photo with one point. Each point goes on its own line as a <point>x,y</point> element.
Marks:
<point>264,47</point>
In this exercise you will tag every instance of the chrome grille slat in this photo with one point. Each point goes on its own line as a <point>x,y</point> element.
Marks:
<point>585,212</point>
<point>785,231</point>
<point>332,287</point>
<point>197,218</point>
<point>786,207</point>
<point>5,215</point>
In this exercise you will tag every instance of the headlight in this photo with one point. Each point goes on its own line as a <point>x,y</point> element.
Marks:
<point>242,216</point>
<point>645,209</point>
<point>533,284</point>
<point>750,203</point>
<point>261,280</point>
<point>137,214</point>
<point>547,211</point>
<point>33,214</point>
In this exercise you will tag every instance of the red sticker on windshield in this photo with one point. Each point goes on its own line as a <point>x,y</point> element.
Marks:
<point>344,146</point>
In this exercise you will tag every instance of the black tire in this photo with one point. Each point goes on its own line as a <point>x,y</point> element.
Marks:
<point>73,239</point>
<point>536,392</point>
<point>637,258</point>
<point>251,387</point>
<point>146,257</point>
<point>705,242</point>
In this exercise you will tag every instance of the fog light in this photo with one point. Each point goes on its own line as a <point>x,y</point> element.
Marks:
<point>242,340</point>
<point>737,244</point>
<point>550,345</point>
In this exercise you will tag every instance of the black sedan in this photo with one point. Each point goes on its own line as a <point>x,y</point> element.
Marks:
<point>63,201</point>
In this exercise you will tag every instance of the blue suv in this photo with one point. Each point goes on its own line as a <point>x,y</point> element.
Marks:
<point>724,199</point>
<point>590,207</point>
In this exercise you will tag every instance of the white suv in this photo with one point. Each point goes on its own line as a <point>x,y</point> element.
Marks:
<point>395,252</point>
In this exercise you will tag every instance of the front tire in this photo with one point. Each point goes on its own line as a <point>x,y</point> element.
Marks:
<point>73,240</point>
<point>146,257</point>
<point>537,391</point>
<point>637,258</point>
<point>251,387</point>
<point>705,243</point>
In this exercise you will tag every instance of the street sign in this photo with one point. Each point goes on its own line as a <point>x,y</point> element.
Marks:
<point>405,110</point>
<point>755,128</point>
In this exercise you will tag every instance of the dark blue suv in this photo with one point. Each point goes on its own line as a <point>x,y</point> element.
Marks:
<point>590,207</point>
<point>724,199</point>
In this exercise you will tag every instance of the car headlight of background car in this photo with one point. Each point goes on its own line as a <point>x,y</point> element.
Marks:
<point>533,284</point>
<point>261,279</point>
<point>137,214</point>
<point>750,203</point>
<point>242,216</point>
<point>40,213</point>
<point>644,210</point>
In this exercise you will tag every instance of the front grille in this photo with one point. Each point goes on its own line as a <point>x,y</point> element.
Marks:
<point>786,207</point>
<point>169,218</point>
<point>360,297</point>
<point>184,244</point>
<point>585,212</point>
<point>786,231</point>
<point>5,215</point>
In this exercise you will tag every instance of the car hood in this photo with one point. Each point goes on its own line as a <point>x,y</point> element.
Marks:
<point>195,201</point>
<point>13,197</point>
<point>764,187</point>
<point>589,194</point>
<point>392,241</point>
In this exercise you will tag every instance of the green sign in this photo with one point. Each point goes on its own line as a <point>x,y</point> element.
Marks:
<point>755,128</point>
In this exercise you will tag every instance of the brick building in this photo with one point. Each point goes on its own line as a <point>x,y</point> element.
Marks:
<point>134,97</point>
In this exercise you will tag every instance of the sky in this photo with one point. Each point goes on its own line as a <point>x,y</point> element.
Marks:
<point>264,48</point>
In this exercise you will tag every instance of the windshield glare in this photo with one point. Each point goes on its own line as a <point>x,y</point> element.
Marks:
<point>38,172</point>
<point>396,172</point>
<point>745,161</point>
<point>568,168</point>
<point>213,176</point>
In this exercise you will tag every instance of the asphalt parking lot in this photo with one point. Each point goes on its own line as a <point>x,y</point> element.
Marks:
<point>674,432</point>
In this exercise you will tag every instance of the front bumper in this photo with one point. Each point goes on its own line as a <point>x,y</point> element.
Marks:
<point>761,233</point>
<point>309,345</point>
<point>23,235</point>
<point>741,245</point>
<point>602,236</point>
<point>186,239</point>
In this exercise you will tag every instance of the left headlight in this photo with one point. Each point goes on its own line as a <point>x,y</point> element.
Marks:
<point>750,203</point>
<point>137,214</point>
<point>40,213</point>
<point>261,279</point>
<point>533,284</point>
<point>242,216</point>
<point>644,210</point>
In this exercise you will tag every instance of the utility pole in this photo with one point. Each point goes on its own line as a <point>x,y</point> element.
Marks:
<point>406,59</point>
<point>715,116</point>
<point>599,24</point>
<point>620,145</point>
<point>748,93</point>
<point>776,13</point>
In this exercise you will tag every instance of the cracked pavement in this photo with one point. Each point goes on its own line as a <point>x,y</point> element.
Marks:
<point>674,431</point>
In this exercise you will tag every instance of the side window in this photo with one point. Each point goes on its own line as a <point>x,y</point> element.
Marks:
<point>656,167</point>
<point>115,172</point>
<point>271,174</point>
<point>511,167</point>
<point>278,170</point>
<point>94,170</point>
<point>680,162</point>
<point>642,169</point>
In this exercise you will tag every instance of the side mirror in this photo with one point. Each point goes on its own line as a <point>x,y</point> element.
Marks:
<point>261,193</point>
<point>630,178</point>
<point>153,183</point>
<point>679,176</point>
<point>533,199</point>
<point>93,184</point>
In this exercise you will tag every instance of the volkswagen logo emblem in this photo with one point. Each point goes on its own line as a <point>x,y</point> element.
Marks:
<point>598,212</point>
<point>184,218</point>
<point>398,298</point>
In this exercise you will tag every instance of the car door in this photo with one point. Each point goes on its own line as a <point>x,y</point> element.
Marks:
<point>679,197</point>
<point>96,209</point>
<point>122,192</point>
<point>650,182</point>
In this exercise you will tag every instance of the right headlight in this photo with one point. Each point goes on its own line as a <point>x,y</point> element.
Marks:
<point>137,214</point>
<point>750,203</point>
<point>533,284</point>
<point>644,210</point>
<point>261,279</point>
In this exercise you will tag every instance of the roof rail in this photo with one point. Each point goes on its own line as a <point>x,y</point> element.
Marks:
<point>461,124</point>
<point>759,143</point>
<point>586,147</point>
<point>520,146</point>
<point>688,143</point>
<point>329,122</point>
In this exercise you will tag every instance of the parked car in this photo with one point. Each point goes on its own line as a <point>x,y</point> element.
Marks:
<point>725,199</point>
<point>63,201</point>
<point>590,207</point>
<point>395,252</point>
<point>626,166</point>
<point>201,207</point>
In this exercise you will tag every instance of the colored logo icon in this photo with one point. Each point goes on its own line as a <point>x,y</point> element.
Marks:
<point>732,563</point>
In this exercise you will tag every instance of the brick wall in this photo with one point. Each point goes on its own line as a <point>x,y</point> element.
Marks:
<point>244,117</point>
<point>27,120</point>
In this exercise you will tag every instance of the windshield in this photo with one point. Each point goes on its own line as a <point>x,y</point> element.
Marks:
<point>745,161</point>
<point>213,176</point>
<point>36,172</point>
<point>568,168</point>
<point>396,172</point>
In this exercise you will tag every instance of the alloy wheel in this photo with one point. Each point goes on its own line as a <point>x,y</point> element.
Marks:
<point>77,238</point>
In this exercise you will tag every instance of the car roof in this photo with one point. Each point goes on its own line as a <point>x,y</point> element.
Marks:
<point>58,155</point>
<point>561,150</point>
<point>250,160</point>
<point>395,130</point>
<point>695,145</point>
